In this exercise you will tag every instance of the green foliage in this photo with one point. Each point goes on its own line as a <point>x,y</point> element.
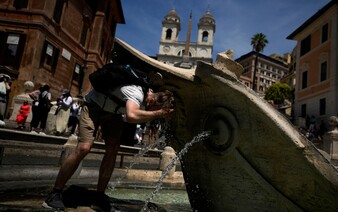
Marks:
<point>278,92</point>
<point>258,42</point>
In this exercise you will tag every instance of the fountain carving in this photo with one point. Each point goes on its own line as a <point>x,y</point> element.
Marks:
<point>256,160</point>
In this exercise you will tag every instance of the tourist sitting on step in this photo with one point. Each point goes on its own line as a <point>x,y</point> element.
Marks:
<point>21,118</point>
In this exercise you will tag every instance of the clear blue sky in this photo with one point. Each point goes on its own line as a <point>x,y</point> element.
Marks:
<point>236,22</point>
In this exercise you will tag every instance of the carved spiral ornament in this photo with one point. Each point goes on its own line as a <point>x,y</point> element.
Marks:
<point>224,127</point>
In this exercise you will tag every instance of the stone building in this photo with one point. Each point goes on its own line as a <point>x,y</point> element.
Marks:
<point>316,92</point>
<point>269,70</point>
<point>58,42</point>
<point>290,77</point>
<point>174,52</point>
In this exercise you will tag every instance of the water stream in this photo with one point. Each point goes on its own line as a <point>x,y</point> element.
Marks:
<point>159,142</point>
<point>200,137</point>
<point>134,161</point>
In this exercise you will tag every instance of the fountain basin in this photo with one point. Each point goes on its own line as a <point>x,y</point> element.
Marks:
<point>255,159</point>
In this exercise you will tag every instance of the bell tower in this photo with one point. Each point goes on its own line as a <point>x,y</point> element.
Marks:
<point>171,25</point>
<point>185,54</point>
<point>206,29</point>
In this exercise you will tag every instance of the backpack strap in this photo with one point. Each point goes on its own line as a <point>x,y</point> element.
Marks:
<point>120,103</point>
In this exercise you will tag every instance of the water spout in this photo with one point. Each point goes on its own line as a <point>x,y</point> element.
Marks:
<point>200,137</point>
<point>159,142</point>
<point>134,161</point>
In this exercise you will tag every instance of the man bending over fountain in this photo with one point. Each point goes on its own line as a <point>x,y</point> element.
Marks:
<point>99,110</point>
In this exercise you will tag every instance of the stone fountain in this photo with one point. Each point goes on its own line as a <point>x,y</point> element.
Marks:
<point>256,160</point>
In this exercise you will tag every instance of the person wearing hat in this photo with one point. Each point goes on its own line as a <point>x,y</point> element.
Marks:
<point>43,109</point>
<point>63,111</point>
<point>4,89</point>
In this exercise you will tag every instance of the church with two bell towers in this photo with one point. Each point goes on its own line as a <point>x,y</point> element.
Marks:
<point>184,54</point>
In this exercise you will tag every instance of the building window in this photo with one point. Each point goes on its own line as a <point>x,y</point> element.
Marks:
<point>58,11</point>
<point>168,34</point>
<point>76,73</point>
<point>205,35</point>
<point>325,32</point>
<point>78,76</point>
<point>49,56</point>
<point>261,88</point>
<point>305,45</point>
<point>108,11</point>
<point>304,79</point>
<point>322,106</point>
<point>303,110</point>
<point>182,52</point>
<point>11,48</point>
<point>19,4</point>
<point>85,27</point>
<point>84,34</point>
<point>323,71</point>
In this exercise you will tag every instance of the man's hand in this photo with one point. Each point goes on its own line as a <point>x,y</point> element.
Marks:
<point>134,114</point>
<point>165,112</point>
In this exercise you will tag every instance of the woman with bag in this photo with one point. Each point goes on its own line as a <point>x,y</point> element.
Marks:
<point>34,95</point>
<point>63,111</point>
<point>42,110</point>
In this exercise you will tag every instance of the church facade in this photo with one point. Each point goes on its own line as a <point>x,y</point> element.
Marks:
<point>177,53</point>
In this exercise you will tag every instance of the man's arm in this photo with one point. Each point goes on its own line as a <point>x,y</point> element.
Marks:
<point>134,114</point>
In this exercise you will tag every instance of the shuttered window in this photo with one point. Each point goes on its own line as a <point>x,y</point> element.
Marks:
<point>49,56</point>
<point>11,48</point>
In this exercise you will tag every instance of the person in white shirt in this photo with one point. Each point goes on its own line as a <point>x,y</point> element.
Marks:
<point>140,107</point>
<point>73,120</point>
<point>63,111</point>
<point>4,89</point>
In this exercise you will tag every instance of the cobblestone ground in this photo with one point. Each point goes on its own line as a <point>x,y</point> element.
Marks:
<point>23,200</point>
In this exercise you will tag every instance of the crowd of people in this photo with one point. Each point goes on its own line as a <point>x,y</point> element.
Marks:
<point>67,112</point>
<point>315,130</point>
<point>39,106</point>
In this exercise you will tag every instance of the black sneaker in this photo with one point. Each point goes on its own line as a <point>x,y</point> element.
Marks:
<point>102,203</point>
<point>54,200</point>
